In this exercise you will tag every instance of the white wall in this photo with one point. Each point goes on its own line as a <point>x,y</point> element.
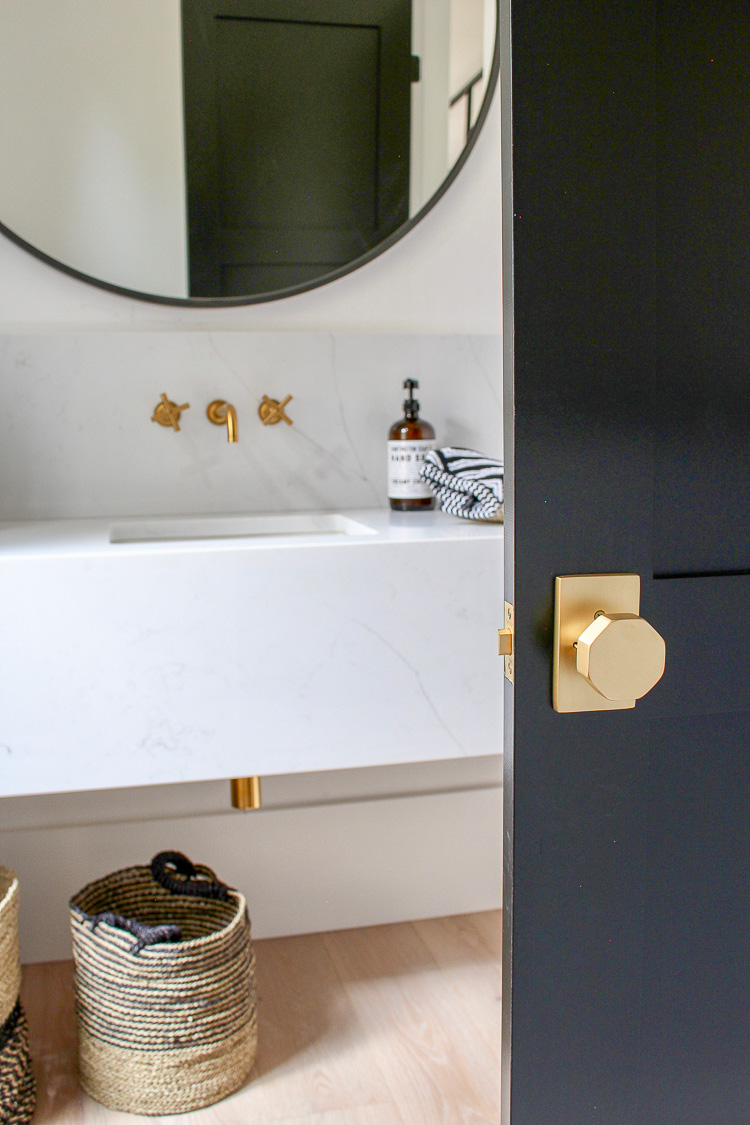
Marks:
<point>441,281</point>
<point>98,182</point>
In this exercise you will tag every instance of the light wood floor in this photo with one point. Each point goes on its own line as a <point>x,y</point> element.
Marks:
<point>390,1025</point>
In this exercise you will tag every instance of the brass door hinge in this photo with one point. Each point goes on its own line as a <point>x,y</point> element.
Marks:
<point>505,641</point>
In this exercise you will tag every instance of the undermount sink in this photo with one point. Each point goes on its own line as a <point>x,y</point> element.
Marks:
<point>173,529</point>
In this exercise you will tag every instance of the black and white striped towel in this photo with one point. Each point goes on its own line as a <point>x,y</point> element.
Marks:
<point>465,482</point>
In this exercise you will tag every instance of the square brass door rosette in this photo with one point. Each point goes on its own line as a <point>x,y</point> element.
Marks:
<point>578,600</point>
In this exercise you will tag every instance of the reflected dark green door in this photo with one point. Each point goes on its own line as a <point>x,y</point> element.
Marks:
<point>628,243</point>
<point>297,117</point>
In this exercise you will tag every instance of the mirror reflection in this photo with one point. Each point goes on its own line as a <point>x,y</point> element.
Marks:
<point>230,148</point>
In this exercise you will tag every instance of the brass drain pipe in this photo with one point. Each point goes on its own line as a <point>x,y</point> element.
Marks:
<point>245,793</point>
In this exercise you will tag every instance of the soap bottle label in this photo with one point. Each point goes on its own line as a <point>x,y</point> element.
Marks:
<point>405,459</point>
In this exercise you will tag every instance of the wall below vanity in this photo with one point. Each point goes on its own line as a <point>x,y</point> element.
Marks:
<point>80,374</point>
<point>327,851</point>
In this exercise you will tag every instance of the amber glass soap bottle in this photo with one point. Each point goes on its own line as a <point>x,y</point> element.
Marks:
<point>408,441</point>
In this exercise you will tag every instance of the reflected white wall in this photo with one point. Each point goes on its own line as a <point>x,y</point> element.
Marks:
<point>430,100</point>
<point>455,41</point>
<point>466,41</point>
<point>467,60</point>
<point>101,187</point>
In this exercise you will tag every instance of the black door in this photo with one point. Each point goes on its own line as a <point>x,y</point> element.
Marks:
<point>627,289</point>
<point>297,126</point>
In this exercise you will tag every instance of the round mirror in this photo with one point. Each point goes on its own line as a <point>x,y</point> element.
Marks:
<point>207,152</point>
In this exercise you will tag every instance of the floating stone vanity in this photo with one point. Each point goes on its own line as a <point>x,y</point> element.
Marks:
<point>137,652</point>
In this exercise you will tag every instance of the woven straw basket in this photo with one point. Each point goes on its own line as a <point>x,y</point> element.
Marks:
<point>165,987</point>
<point>17,1091</point>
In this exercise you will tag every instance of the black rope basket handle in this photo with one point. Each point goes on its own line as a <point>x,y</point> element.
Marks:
<point>175,872</point>
<point>144,935</point>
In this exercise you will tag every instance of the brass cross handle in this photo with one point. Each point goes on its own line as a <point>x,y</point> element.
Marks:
<point>167,413</point>
<point>270,411</point>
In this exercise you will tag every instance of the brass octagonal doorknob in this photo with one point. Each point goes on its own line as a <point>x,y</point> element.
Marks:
<point>620,655</point>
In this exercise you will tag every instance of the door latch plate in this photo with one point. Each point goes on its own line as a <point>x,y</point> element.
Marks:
<point>578,600</point>
<point>509,655</point>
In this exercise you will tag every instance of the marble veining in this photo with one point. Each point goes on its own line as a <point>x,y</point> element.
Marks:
<point>77,439</point>
<point>185,661</point>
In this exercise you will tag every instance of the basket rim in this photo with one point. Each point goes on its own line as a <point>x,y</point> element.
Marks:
<point>158,948</point>
<point>7,874</point>
<point>133,868</point>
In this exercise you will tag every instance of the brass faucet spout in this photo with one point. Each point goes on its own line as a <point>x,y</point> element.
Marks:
<point>231,423</point>
<point>223,414</point>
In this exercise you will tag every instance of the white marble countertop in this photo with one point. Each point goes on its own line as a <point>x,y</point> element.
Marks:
<point>96,537</point>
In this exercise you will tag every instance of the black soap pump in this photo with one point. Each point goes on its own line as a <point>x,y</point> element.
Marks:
<point>408,441</point>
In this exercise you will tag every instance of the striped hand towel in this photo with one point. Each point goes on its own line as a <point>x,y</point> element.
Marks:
<point>466,483</point>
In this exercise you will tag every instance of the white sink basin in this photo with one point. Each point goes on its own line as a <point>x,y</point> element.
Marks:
<point>235,527</point>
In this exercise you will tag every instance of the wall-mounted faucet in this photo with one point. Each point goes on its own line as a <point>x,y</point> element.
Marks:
<point>223,414</point>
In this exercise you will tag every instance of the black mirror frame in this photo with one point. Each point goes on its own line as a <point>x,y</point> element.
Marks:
<point>293,290</point>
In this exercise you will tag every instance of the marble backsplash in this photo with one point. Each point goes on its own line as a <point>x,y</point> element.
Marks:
<point>76,436</point>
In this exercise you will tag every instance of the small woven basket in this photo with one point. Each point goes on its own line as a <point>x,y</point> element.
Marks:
<point>17,1090</point>
<point>165,987</point>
